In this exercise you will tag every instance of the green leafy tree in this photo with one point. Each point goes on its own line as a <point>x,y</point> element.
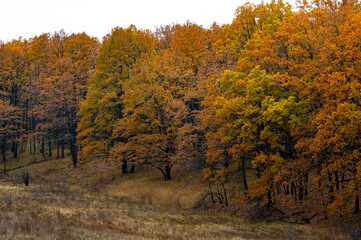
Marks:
<point>249,121</point>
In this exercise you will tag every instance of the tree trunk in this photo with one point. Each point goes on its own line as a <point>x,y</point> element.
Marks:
<point>245,185</point>
<point>49,146</point>
<point>357,198</point>
<point>274,195</point>
<point>57,150</point>
<point>3,152</point>
<point>23,146</point>
<point>62,148</point>
<point>300,189</point>
<point>4,161</point>
<point>124,167</point>
<point>225,194</point>
<point>337,181</point>
<point>300,193</point>
<point>15,149</point>
<point>211,192</point>
<point>42,148</point>
<point>132,169</point>
<point>167,173</point>
<point>34,146</point>
<point>74,154</point>
<point>293,190</point>
<point>306,184</point>
<point>357,204</point>
<point>331,189</point>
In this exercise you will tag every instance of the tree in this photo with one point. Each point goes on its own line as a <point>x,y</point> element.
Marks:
<point>154,110</point>
<point>250,20</point>
<point>249,123</point>
<point>14,75</point>
<point>162,100</point>
<point>336,149</point>
<point>9,131</point>
<point>64,63</point>
<point>312,54</point>
<point>103,105</point>
<point>190,40</point>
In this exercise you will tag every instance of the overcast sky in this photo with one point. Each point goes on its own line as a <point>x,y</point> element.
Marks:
<point>28,18</point>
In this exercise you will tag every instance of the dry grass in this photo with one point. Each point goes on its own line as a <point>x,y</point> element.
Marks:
<point>53,211</point>
<point>182,193</point>
<point>94,201</point>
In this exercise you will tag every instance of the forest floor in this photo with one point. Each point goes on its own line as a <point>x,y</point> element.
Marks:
<point>94,201</point>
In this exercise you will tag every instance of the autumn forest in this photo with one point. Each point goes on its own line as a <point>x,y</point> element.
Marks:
<point>267,108</point>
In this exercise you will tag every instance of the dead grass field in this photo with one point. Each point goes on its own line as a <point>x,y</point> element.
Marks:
<point>56,212</point>
<point>94,201</point>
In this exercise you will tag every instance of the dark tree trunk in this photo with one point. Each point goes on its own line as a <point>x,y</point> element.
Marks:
<point>42,148</point>
<point>62,148</point>
<point>306,184</point>
<point>57,150</point>
<point>165,172</point>
<point>357,198</point>
<point>3,152</point>
<point>167,176</point>
<point>4,161</point>
<point>357,204</point>
<point>293,190</point>
<point>124,167</point>
<point>269,199</point>
<point>274,195</point>
<point>225,194</point>
<point>15,149</point>
<point>300,193</point>
<point>211,192</point>
<point>74,154</point>
<point>49,146</point>
<point>300,189</point>
<point>337,181</point>
<point>34,146</point>
<point>73,146</point>
<point>245,185</point>
<point>34,138</point>
<point>331,189</point>
<point>132,169</point>
<point>23,146</point>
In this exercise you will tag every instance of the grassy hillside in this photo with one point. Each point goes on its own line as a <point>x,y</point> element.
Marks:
<point>95,201</point>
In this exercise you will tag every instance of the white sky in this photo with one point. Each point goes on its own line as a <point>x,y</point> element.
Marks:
<point>28,18</point>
